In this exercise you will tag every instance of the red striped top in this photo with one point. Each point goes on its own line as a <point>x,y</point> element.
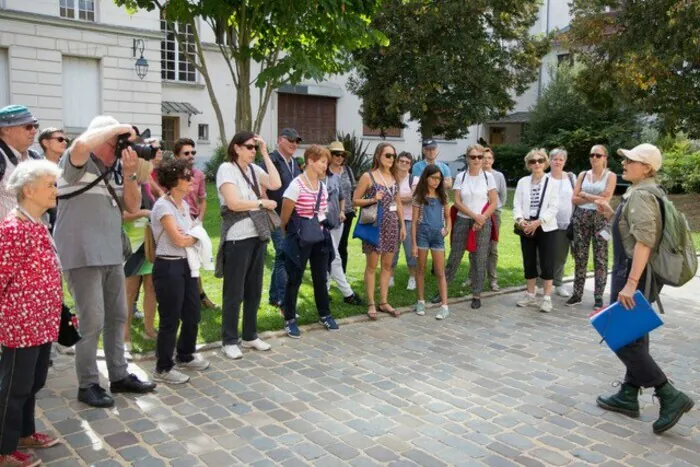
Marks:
<point>305,199</point>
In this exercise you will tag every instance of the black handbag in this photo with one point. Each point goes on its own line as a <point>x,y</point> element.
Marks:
<point>68,334</point>
<point>517,229</point>
<point>310,230</point>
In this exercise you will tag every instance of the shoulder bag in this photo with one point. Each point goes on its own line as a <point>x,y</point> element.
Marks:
<point>264,220</point>
<point>517,228</point>
<point>368,214</point>
<point>310,230</point>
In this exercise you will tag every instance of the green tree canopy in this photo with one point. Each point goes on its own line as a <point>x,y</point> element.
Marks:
<point>290,40</point>
<point>449,63</point>
<point>565,117</point>
<point>647,52</point>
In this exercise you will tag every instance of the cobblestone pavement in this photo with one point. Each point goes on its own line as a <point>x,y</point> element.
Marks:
<point>502,386</point>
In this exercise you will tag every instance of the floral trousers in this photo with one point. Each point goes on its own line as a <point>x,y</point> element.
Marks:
<point>588,225</point>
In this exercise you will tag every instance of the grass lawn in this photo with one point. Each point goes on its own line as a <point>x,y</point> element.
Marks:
<point>509,274</point>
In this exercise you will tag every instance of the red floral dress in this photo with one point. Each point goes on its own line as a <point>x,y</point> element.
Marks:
<point>30,284</point>
<point>389,234</point>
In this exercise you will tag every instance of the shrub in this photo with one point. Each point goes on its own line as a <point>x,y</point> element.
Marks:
<point>212,165</point>
<point>509,160</point>
<point>680,172</point>
<point>358,159</point>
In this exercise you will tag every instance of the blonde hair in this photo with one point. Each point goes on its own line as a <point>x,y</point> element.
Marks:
<point>474,147</point>
<point>533,154</point>
<point>602,149</point>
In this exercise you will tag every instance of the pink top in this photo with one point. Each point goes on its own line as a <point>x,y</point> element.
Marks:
<point>406,190</point>
<point>305,199</point>
<point>198,193</point>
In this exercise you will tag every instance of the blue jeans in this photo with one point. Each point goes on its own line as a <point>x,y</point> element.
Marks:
<point>428,238</point>
<point>279,273</point>
<point>411,261</point>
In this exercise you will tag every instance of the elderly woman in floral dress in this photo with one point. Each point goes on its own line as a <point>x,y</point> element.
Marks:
<point>30,309</point>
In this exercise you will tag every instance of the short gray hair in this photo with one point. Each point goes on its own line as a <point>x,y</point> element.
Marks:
<point>558,152</point>
<point>28,172</point>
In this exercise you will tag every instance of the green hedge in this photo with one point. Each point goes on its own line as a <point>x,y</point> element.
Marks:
<point>680,172</point>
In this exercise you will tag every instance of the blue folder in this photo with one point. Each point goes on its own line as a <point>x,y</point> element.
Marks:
<point>618,326</point>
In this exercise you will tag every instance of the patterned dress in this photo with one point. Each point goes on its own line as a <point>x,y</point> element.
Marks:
<point>389,228</point>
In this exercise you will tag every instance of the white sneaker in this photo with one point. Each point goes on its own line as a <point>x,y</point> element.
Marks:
<point>257,344</point>
<point>171,377</point>
<point>411,283</point>
<point>546,305</point>
<point>198,364</point>
<point>443,313</point>
<point>391,282</point>
<point>232,352</point>
<point>528,300</point>
<point>562,292</point>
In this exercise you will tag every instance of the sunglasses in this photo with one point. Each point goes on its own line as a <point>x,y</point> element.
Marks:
<point>390,155</point>
<point>292,140</point>
<point>188,153</point>
<point>596,155</point>
<point>476,157</point>
<point>537,161</point>
<point>60,139</point>
<point>187,176</point>
<point>627,160</point>
<point>31,126</point>
<point>250,147</point>
<point>339,154</point>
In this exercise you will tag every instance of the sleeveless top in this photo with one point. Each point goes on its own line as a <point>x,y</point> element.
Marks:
<point>593,188</point>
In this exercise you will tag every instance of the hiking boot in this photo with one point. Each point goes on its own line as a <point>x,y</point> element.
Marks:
<point>673,405</point>
<point>625,401</point>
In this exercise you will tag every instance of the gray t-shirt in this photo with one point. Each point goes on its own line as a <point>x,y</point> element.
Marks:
<point>165,207</point>
<point>88,226</point>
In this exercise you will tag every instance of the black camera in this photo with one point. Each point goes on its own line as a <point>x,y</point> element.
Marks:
<point>144,151</point>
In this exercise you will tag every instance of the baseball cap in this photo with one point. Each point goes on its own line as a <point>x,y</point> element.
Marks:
<point>291,133</point>
<point>429,143</point>
<point>645,153</point>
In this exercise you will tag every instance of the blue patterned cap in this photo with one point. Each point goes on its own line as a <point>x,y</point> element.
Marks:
<point>16,115</point>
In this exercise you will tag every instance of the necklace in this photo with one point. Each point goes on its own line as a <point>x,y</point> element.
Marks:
<point>311,185</point>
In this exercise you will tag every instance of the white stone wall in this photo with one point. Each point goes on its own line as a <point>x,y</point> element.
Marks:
<point>36,46</point>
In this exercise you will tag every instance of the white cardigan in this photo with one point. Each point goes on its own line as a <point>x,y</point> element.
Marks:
<point>550,204</point>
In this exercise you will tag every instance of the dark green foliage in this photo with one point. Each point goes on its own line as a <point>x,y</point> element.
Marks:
<point>680,172</point>
<point>358,159</point>
<point>449,63</point>
<point>509,159</point>
<point>212,165</point>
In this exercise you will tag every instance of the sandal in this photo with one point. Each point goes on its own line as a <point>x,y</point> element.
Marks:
<point>392,311</point>
<point>371,312</point>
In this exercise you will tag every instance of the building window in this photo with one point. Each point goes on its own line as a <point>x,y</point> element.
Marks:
<point>77,9</point>
<point>174,65</point>
<point>565,58</point>
<point>81,91</point>
<point>314,117</point>
<point>203,132</point>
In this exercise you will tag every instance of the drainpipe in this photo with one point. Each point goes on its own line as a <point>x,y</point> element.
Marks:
<point>539,78</point>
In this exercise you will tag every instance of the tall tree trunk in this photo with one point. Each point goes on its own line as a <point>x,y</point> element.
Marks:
<point>243,107</point>
<point>204,71</point>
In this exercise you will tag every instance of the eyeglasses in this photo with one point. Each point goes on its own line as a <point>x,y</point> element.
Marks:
<point>250,147</point>
<point>187,153</point>
<point>627,160</point>
<point>537,161</point>
<point>435,177</point>
<point>31,126</point>
<point>476,157</point>
<point>389,155</point>
<point>597,155</point>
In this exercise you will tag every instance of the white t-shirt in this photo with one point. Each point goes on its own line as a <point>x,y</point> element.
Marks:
<point>474,190</point>
<point>566,191</point>
<point>230,173</point>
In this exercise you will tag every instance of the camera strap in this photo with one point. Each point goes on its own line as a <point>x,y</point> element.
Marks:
<point>92,184</point>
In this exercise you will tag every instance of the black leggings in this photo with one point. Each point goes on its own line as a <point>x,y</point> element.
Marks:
<point>343,246</point>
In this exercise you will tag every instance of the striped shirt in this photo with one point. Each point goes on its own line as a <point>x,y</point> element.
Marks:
<point>305,199</point>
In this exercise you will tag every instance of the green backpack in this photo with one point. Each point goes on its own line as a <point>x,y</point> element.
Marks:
<point>674,262</point>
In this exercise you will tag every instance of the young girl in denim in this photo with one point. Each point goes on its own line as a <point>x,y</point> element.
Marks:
<point>430,226</point>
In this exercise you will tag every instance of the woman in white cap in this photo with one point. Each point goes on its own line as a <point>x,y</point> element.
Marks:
<point>637,226</point>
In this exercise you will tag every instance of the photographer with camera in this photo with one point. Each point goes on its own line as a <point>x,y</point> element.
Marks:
<point>89,242</point>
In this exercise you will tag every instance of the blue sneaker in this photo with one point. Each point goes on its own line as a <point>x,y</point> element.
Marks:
<point>329,323</point>
<point>292,329</point>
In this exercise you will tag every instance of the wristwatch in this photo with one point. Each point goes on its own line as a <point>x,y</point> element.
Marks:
<point>133,177</point>
<point>260,204</point>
